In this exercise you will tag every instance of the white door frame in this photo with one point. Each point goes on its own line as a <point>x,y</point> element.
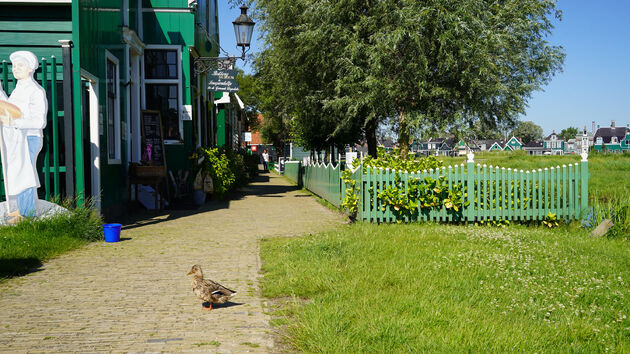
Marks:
<point>95,123</point>
<point>135,107</point>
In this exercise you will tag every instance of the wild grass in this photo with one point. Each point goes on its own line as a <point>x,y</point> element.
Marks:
<point>29,243</point>
<point>617,210</point>
<point>440,288</point>
<point>609,173</point>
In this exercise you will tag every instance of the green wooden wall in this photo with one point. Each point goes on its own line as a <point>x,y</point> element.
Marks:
<point>36,29</point>
<point>99,29</point>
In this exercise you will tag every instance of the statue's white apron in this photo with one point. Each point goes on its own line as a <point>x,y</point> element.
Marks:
<point>19,170</point>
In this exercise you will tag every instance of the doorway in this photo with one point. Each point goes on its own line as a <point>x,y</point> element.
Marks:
<point>91,135</point>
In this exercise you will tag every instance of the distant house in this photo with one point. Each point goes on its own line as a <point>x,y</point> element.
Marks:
<point>570,147</point>
<point>513,144</point>
<point>612,139</point>
<point>485,145</point>
<point>554,144</point>
<point>536,148</point>
<point>446,149</point>
<point>581,139</point>
<point>497,145</point>
<point>428,147</point>
<point>461,148</point>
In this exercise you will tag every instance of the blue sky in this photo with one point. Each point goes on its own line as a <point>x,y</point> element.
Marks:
<point>595,83</point>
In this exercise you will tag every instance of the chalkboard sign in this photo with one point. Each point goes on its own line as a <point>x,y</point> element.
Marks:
<point>152,139</point>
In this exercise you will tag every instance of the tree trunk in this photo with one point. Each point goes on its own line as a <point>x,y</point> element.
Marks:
<point>370,136</point>
<point>279,149</point>
<point>403,134</point>
<point>333,158</point>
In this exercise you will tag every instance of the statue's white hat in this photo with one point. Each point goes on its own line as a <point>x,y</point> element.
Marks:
<point>29,58</point>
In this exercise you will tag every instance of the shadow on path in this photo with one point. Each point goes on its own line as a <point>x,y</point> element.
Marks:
<point>13,267</point>
<point>260,186</point>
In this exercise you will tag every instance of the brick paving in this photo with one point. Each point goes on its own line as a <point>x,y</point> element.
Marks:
<point>134,296</point>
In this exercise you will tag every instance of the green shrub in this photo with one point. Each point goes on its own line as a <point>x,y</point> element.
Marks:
<point>251,164</point>
<point>424,194</point>
<point>395,161</point>
<point>228,169</point>
<point>217,163</point>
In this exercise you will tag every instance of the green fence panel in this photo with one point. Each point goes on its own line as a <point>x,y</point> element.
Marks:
<point>292,171</point>
<point>50,168</point>
<point>492,192</point>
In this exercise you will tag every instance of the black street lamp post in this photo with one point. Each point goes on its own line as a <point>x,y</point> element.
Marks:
<point>243,29</point>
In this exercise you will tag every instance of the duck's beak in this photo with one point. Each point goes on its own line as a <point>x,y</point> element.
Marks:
<point>189,273</point>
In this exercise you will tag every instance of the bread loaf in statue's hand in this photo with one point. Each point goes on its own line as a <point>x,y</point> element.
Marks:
<point>8,112</point>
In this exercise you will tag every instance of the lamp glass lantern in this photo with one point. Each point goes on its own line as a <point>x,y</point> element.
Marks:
<point>243,29</point>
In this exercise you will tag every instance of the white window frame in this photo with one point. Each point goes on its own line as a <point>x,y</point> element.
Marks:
<point>178,81</point>
<point>117,141</point>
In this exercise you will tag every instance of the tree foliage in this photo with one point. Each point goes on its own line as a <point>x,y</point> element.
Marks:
<point>346,65</point>
<point>528,131</point>
<point>250,93</point>
<point>568,133</point>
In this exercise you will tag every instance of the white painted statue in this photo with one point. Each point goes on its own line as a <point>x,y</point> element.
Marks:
<point>22,137</point>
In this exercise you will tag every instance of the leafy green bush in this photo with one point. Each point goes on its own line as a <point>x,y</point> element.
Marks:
<point>350,201</point>
<point>251,164</point>
<point>228,169</point>
<point>424,194</point>
<point>217,163</point>
<point>237,165</point>
<point>395,161</point>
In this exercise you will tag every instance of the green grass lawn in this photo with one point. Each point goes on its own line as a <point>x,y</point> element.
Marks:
<point>409,288</point>
<point>28,244</point>
<point>610,173</point>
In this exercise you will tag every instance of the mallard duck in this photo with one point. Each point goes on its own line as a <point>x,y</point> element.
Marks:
<point>207,290</point>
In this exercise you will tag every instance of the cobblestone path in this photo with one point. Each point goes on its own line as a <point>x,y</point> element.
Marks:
<point>135,296</point>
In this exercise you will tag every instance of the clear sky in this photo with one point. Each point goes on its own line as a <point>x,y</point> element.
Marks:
<point>226,34</point>
<point>595,83</point>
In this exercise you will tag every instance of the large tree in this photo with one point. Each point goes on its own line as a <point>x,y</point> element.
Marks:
<point>349,64</point>
<point>528,131</point>
<point>250,93</point>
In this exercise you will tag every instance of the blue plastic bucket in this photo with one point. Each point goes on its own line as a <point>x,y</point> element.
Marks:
<point>112,232</point>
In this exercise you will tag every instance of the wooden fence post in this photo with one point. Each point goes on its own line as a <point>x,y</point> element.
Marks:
<point>470,185</point>
<point>584,185</point>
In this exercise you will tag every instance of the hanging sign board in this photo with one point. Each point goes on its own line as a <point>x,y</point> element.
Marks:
<point>247,137</point>
<point>222,80</point>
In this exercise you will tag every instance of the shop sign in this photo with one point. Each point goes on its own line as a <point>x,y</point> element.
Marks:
<point>222,80</point>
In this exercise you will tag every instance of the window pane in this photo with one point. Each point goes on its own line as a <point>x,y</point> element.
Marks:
<point>171,57</point>
<point>158,97</point>
<point>160,64</point>
<point>112,139</point>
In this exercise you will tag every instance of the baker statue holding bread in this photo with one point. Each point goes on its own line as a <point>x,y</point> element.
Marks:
<point>23,119</point>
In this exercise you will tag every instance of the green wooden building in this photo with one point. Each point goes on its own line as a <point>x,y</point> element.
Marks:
<point>127,56</point>
<point>513,144</point>
<point>612,139</point>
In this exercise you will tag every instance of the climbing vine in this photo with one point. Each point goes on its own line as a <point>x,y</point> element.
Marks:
<point>425,194</point>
